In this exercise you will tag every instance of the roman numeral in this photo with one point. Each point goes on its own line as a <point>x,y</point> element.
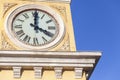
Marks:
<point>18,26</point>
<point>49,21</point>
<point>33,14</point>
<point>26,38</point>
<point>51,27</point>
<point>42,16</point>
<point>20,33</point>
<point>35,41</point>
<point>25,15</point>
<point>20,20</point>
<point>45,40</point>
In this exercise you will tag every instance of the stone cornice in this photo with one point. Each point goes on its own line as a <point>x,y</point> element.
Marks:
<point>76,61</point>
<point>52,53</point>
<point>64,1</point>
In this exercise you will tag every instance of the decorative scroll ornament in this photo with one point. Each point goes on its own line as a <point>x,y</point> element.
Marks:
<point>61,9</point>
<point>66,45</point>
<point>7,6</point>
<point>4,45</point>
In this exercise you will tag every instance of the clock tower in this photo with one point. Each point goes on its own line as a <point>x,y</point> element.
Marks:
<point>37,42</point>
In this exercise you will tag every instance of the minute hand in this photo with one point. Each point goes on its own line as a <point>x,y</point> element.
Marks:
<point>46,32</point>
<point>42,30</point>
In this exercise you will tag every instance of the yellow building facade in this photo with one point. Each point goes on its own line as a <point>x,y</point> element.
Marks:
<point>37,42</point>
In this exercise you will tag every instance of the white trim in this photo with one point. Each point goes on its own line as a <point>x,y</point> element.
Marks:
<point>54,53</point>
<point>64,1</point>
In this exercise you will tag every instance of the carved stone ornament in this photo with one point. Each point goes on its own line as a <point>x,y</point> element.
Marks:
<point>7,6</point>
<point>62,10</point>
<point>4,45</point>
<point>65,46</point>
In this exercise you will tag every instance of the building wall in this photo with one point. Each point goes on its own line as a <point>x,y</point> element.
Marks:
<point>47,75</point>
<point>64,10</point>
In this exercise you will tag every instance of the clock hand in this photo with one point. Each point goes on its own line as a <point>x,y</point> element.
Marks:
<point>42,30</point>
<point>36,17</point>
<point>32,25</point>
<point>46,32</point>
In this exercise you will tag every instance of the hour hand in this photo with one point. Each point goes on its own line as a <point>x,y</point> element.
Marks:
<point>35,27</point>
<point>32,25</point>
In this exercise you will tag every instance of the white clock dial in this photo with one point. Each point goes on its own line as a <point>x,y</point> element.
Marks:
<point>34,27</point>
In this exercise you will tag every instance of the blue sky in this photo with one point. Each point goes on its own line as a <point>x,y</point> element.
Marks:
<point>97,28</point>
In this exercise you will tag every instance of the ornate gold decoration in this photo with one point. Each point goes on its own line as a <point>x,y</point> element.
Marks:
<point>7,6</point>
<point>4,45</point>
<point>62,10</point>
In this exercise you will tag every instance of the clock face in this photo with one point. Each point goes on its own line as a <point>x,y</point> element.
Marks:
<point>34,26</point>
